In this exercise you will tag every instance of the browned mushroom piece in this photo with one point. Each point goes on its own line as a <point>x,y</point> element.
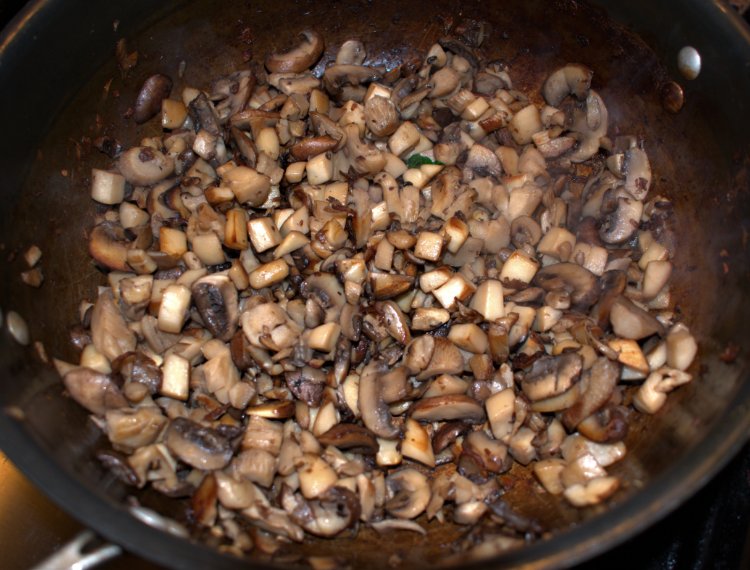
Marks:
<point>338,75</point>
<point>579,281</point>
<point>446,408</point>
<point>350,437</point>
<point>148,102</point>
<point>108,245</point>
<point>198,446</point>
<point>611,284</point>
<point>396,323</point>
<point>375,414</point>
<point>326,289</point>
<point>482,456</point>
<point>387,285</point>
<point>525,230</point>
<point>630,321</point>
<point>622,218</point>
<point>608,425</point>
<point>307,384</point>
<point>407,493</point>
<point>129,429</point>
<point>306,148</point>
<point>95,391</point>
<point>381,116</point>
<point>599,381</point>
<point>300,58</point>
<point>448,433</point>
<point>144,165</point>
<point>551,376</point>
<point>215,297</point>
<point>140,368</point>
<point>334,511</point>
<point>571,79</point>
<point>109,331</point>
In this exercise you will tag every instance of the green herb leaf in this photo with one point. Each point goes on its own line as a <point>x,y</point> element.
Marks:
<point>417,160</point>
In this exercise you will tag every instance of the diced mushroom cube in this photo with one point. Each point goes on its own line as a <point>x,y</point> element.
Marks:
<point>208,249</point>
<point>324,337</point>
<point>519,267</point>
<point>175,377</point>
<point>488,300</point>
<point>269,274</point>
<point>457,288</point>
<point>263,234</point>
<point>173,309</point>
<point>428,246</point>
<point>107,187</point>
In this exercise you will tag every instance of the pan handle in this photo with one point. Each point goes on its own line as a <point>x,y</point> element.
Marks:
<point>74,556</point>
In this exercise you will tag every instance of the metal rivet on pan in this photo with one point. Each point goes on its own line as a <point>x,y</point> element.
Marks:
<point>689,62</point>
<point>672,97</point>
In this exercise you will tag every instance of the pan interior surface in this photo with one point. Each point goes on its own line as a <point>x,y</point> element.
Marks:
<point>699,155</point>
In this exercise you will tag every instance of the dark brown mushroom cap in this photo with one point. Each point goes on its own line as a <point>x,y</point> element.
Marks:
<point>450,407</point>
<point>108,245</point>
<point>579,281</point>
<point>350,437</point>
<point>375,413</point>
<point>215,297</point>
<point>95,391</point>
<point>551,375</point>
<point>204,115</point>
<point>197,445</point>
<point>148,102</point>
<point>300,58</point>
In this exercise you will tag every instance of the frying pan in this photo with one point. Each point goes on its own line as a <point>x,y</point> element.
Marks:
<point>62,88</point>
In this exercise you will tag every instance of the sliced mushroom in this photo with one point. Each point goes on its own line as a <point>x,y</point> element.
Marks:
<point>108,245</point>
<point>375,414</point>
<point>572,79</point>
<point>144,165</point>
<point>446,408</point>
<point>109,332</point>
<point>334,511</point>
<point>327,291</point>
<point>352,438</point>
<point>482,456</point>
<point>307,384</point>
<point>577,280</point>
<point>620,224</point>
<point>300,58</point>
<point>93,390</point>
<point>551,376</point>
<point>215,297</point>
<point>408,493</point>
<point>338,75</point>
<point>351,52</point>
<point>198,446</point>
<point>600,381</point>
<point>130,429</point>
<point>591,124</point>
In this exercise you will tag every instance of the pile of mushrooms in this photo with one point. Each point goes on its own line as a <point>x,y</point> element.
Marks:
<point>357,298</point>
